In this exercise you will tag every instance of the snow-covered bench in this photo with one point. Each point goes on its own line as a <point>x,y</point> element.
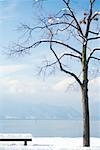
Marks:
<point>16,137</point>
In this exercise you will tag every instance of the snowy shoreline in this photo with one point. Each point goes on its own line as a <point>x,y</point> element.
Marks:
<point>52,143</point>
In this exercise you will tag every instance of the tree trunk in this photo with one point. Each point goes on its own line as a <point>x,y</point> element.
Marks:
<point>85,102</point>
<point>86,124</point>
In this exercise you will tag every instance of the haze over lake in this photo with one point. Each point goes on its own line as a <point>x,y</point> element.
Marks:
<point>48,128</point>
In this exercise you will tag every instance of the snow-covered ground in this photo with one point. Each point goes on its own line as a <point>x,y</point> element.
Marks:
<point>51,143</point>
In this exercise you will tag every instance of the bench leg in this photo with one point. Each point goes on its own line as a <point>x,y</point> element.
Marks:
<point>25,143</point>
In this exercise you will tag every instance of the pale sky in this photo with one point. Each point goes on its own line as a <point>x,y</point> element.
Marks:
<point>18,76</point>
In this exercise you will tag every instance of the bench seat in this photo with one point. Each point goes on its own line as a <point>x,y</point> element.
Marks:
<point>16,137</point>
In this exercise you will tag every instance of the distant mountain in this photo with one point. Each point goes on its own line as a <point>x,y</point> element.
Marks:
<point>54,112</point>
<point>43,111</point>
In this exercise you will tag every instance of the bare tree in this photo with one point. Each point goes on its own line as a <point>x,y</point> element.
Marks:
<point>64,29</point>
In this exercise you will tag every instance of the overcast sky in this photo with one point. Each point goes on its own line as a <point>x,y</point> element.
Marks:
<point>18,75</point>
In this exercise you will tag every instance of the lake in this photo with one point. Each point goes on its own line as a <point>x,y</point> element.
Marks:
<point>48,128</point>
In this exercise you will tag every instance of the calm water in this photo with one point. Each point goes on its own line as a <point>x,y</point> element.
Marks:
<point>47,128</point>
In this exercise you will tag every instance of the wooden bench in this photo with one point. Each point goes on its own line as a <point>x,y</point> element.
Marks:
<point>16,137</point>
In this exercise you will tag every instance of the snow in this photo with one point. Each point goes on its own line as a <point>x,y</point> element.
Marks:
<point>51,143</point>
<point>14,136</point>
<point>50,20</point>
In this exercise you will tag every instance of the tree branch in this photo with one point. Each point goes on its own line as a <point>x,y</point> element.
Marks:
<point>63,23</point>
<point>93,38</point>
<point>72,55</point>
<point>94,15</point>
<point>90,56</point>
<point>62,69</point>
<point>57,42</point>
<point>55,62</point>
<point>96,33</point>
<point>21,49</point>
<point>89,19</point>
<point>75,19</point>
<point>96,58</point>
<point>92,1</point>
<point>50,25</point>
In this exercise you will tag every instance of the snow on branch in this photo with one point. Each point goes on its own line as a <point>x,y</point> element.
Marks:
<point>94,15</point>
